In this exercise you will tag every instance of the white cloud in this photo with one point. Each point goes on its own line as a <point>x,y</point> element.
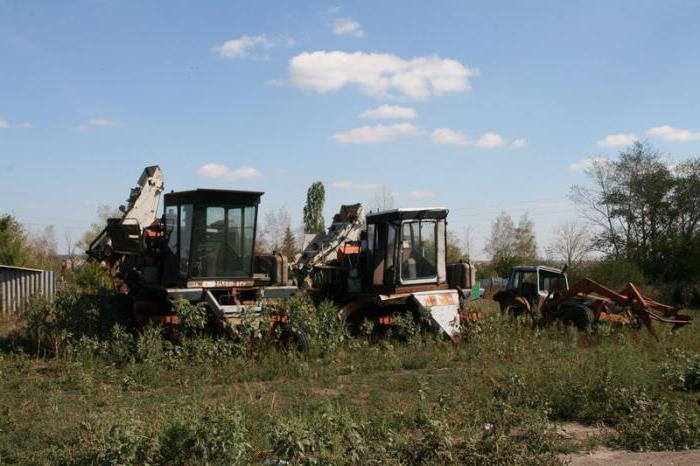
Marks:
<point>389,112</point>
<point>95,123</point>
<point>243,46</point>
<point>485,141</point>
<point>346,26</point>
<point>421,194</point>
<point>380,75</point>
<point>101,122</point>
<point>669,133</point>
<point>616,140</point>
<point>5,124</point>
<point>352,185</point>
<point>518,143</point>
<point>222,172</point>
<point>449,136</point>
<point>490,141</point>
<point>586,163</point>
<point>376,134</point>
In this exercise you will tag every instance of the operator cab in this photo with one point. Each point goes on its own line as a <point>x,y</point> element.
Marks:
<point>406,250</point>
<point>210,237</point>
<point>534,282</point>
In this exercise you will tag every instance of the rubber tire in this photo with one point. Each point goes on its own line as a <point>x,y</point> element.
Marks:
<point>581,316</point>
<point>515,311</point>
<point>295,339</point>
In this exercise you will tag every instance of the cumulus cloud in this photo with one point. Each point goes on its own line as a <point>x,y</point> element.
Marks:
<point>518,143</point>
<point>389,112</point>
<point>586,163</point>
<point>421,194</point>
<point>355,186</point>
<point>490,141</point>
<point>616,140</point>
<point>345,26</point>
<point>485,141</point>
<point>95,123</point>
<point>377,133</point>
<point>243,46</point>
<point>379,75</point>
<point>449,136</point>
<point>223,172</point>
<point>669,133</point>
<point>5,124</point>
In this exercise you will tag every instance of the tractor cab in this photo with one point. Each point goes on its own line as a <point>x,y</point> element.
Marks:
<point>210,238</point>
<point>530,286</point>
<point>406,250</point>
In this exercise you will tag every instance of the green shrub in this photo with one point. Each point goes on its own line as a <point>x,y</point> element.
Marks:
<point>659,426</point>
<point>616,273</point>
<point>126,442</point>
<point>330,436</point>
<point>193,317</point>
<point>217,436</point>
<point>682,371</point>
<point>322,324</point>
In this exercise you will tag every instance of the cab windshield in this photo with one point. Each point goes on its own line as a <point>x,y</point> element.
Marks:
<point>418,253</point>
<point>222,242</point>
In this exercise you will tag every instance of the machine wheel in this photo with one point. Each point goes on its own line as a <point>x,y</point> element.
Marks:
<point>580,316</point>
<point>292,339</point>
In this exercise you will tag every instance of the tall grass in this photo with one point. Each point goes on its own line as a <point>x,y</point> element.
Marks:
<point>77,386</point>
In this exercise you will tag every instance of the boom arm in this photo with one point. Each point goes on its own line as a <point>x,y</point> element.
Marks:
<point>140,212</point>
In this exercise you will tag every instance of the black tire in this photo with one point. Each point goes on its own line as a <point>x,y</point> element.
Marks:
<point>292,339</point>
<point>515,311</point>
<point>580,316</point>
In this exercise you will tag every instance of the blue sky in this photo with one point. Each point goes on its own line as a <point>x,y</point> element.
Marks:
<point>479,107</point>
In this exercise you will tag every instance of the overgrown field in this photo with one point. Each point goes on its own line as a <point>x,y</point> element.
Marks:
<point>77,388</point>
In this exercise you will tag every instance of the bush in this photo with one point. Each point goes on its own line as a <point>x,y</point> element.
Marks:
<point>330,436</point>
<point>682,372</point>
<point>193,317</point>
<point>659,426</point>
<point>218,436</point>
<point>616,273</point>
<point>126,442</point>
<point>322,324</point>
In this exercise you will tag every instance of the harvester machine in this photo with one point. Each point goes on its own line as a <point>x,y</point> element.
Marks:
<point>202,250</point>
<point>544,292</point>
<point>383,264</point>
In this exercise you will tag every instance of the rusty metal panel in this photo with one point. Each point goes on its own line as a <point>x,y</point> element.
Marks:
<point>19,284</point>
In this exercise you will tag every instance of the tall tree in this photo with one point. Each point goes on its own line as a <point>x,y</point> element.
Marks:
<point>648,211</point>
<point>509,245</point>
<point>571,243</point>
<point>453,248</point>
<point>383,199</point>
<point>525,246</point>
<point>274,228</point>
<point>14,245</point>
<point>289,245</point>
<point>43,248</point>
<point>313,210</point>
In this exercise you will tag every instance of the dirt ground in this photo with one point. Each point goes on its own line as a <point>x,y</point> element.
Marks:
<point>603,456</point>
<point>606,456</point>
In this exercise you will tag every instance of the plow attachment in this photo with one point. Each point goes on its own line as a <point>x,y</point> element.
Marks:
<point>628,306</point>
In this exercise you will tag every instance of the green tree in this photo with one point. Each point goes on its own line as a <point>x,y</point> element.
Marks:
<point>510,245</point>
<point>647,211</point>
<point>453,248</point>
<point>289,245</point>
<point>14,245</point>
<point>313,210</point>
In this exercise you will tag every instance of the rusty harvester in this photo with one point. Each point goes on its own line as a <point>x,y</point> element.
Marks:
<point>544,292</point>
